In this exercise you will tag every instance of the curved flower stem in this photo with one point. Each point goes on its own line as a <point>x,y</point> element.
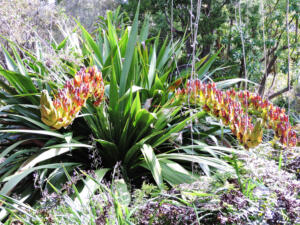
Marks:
<point>232,108</point>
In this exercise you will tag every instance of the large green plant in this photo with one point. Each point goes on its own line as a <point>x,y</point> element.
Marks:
<point>139,117</point>
<point>27,145</point>
<point>135,124</point>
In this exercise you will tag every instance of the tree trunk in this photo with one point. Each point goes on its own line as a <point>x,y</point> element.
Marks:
<point>279,93</point>
<point>205,50</point>
<point>264,79</point>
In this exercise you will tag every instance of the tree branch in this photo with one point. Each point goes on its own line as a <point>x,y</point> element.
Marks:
<point>279,93</point>
<point>264,79</point>
<point>277,44</point>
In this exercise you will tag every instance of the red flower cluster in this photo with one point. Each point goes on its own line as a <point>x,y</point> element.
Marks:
<point>231,108</point>
<point>221,105</point>
<point>69,100</point>
<point>273,116</point>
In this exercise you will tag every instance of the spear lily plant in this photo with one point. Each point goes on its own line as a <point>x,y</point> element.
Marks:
<point>68,101</point>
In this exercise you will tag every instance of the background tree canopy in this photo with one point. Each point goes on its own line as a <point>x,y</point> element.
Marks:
<point>261,23</point>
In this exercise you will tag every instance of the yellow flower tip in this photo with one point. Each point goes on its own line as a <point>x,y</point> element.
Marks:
<point>77,80</point>
<point>46,100</point>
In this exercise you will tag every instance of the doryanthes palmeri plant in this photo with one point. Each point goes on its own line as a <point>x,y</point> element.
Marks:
<point>68,101</point>
<point>232,109</point>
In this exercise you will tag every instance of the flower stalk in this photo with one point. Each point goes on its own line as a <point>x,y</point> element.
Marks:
<point>232,108</point>
<point>68,101</point>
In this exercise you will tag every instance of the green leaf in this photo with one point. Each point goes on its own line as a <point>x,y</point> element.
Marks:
<point>145,29</point>
<point>6,87</point>
<point>129,54</point>
<point>132,90</point>
<point>151,73</point>
<point>152,164</point>
<point>174,173</point>
<point>176,128</point>
<point>21,67</point>
<point>16,202</point>
<point>112,34</point>
<point>12,181</point>
<point>163,55</point>
<point>90,186</point>
<point>12,205</point>
<point>230,82</point>
<point>22,84</point>
<point>12,147</point>
<point>16,159</point>
<point>113,90</point>
<point>213,162</point>
<point>41,132</point>
<point>136,105</point>
<point>142,122</point>
<point>91,43</point>
<point>69,145</point>
<point>41,125</point>
<point>62,44</point>
<point>11,64</point>
<point>110,148</point>
<point>46,155</point>
<point>205,67</point>
<point>123,195</point>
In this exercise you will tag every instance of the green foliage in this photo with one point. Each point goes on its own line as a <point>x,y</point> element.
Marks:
<point>29,141</point>
<point>209,200</point>
<point>139,109</point>
<point>139,128</point>
<point>259,24</point>
<point>135,125</point>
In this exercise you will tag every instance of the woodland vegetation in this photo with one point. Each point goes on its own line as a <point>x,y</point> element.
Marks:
<point>150,112</point>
